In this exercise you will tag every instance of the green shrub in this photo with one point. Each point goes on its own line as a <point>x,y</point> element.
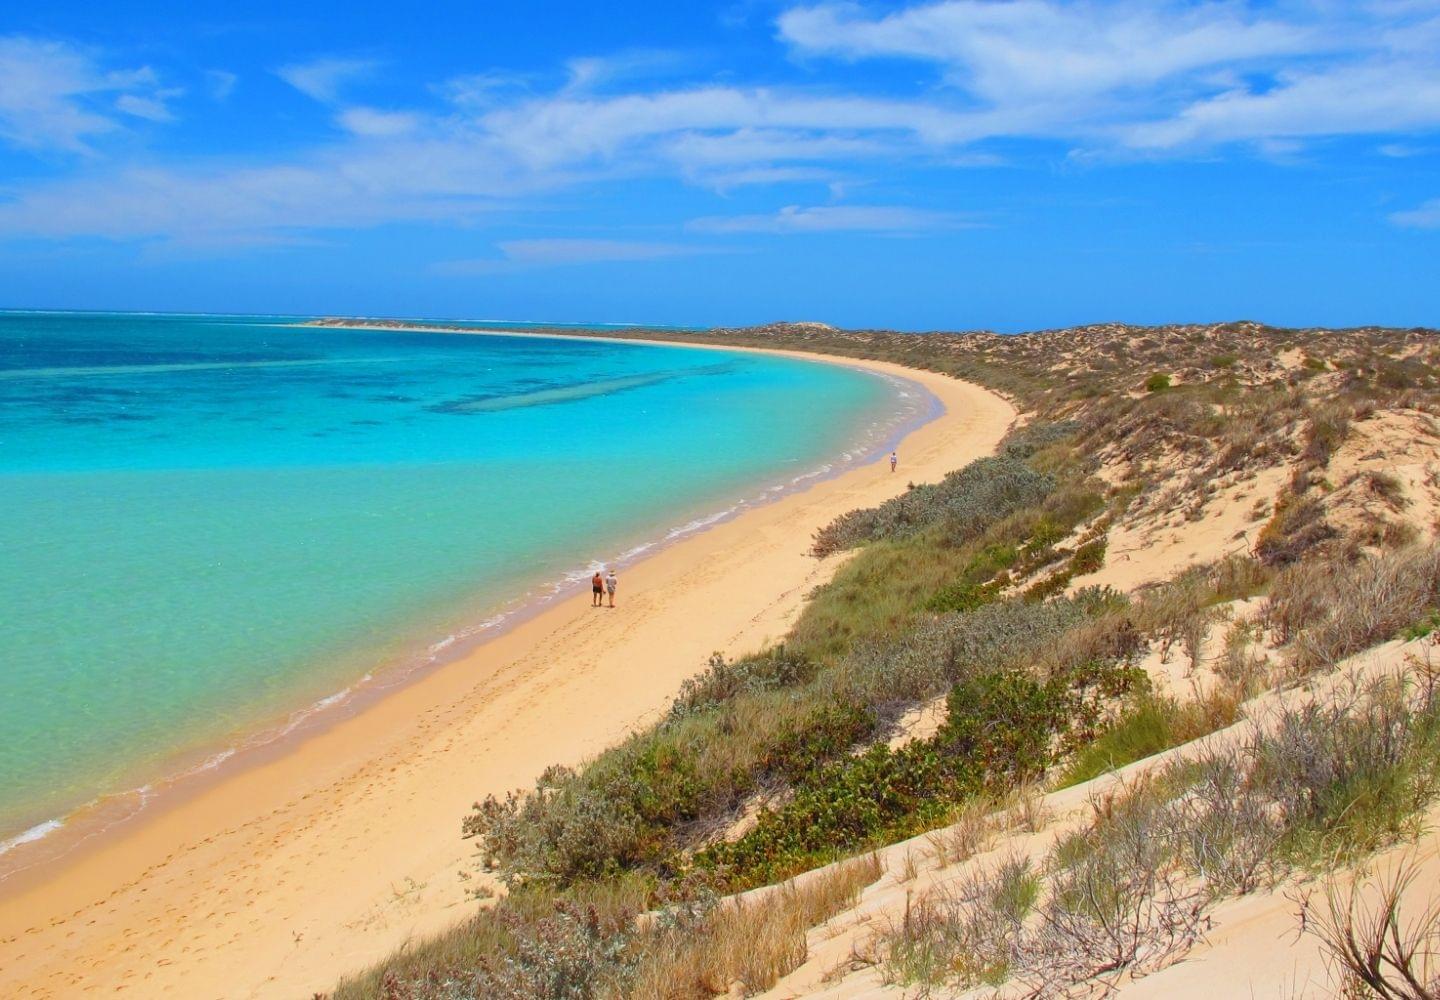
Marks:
<point>1034,437</point>
<point>965,502</point>
<point>722,681</point>
<point>846,806</point>
<point>1149,726</point>
<point>1158,382</point>
<point>1350,778</point>
<point>962,597</point>
<point>800,749</point>
<point>1004,726</point>
<point>1088,558</point>
<point>937,653</point>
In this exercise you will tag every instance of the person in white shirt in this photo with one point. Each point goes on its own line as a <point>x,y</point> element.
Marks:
<point>610,584</point>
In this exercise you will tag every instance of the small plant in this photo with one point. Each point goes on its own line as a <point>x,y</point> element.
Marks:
<point>964,504</point>
<point>1088,558</point>
<point>1158,382</point>
<point>1365,931</point>
<point>964,934</point>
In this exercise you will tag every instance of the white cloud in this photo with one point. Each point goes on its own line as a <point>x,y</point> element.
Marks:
<point>152,107</point>
<point>525,254</point>
<point>1158,76</point>
<point>767,176</point>
<point>57,96</point>
<point>833,219</point>
<point>324,79</point>
<point>593,72</point>
<point>1427,216</point>
<point>1109,76</point>
<point>1032,49</point>
<point>372,122</point>
<point>221,83</point>
<point>1366,99</point>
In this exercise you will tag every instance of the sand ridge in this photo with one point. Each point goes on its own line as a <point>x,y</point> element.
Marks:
<point>276,881</point>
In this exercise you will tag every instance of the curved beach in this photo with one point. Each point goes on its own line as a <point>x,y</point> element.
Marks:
<point>328,853</point>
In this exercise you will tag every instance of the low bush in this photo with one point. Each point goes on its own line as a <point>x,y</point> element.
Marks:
<point>1328,610</point>
<point>1003,728</point>
<point>724,680</point>
<point>1328,428</point>
<point>964,504</point>
<point>1158,382</point>
<point>1347,779</point>
<point>1129,893</point>
<point>689,955</point>
<point>964,933</point>
<point>962,597</point>
<point>1297,527</point>
<point>1088,558</point>
<point>1150,725</point>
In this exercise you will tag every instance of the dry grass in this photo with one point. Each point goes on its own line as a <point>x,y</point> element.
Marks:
<point>1330,609</point>
<point>1130,893</point>
<point>750,943</point>
<point>1378,947</point>
<point>969,833</point>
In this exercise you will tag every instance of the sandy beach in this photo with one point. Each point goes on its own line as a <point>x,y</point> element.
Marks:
<point>329,853</point>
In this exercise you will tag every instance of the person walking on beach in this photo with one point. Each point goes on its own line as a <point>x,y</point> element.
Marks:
<point>894,460</point>
<point>597,589</point>
<point>610,584</point>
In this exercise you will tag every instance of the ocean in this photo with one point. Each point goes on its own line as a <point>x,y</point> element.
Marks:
<point>212,527</point>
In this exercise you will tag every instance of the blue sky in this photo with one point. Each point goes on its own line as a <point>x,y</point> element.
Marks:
<point>942,165</point>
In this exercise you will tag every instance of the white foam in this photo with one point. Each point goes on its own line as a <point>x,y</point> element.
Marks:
<point>37,832</point>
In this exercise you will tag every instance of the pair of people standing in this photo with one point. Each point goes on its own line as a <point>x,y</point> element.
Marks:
<point>600,586</point>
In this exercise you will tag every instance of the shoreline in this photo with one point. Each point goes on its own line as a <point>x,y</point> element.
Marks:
<point>330,852</point>
<point>48,843</point>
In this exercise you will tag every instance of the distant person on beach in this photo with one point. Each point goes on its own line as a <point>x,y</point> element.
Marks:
<point>597,589</point>
<point>610,584</point>
<point>894,460</point>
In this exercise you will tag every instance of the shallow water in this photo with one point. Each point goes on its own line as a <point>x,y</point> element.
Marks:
<point>207,523</point>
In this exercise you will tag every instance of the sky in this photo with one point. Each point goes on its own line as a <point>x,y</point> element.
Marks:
<point>953,164</point>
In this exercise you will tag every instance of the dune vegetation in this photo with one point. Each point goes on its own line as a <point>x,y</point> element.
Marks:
<point>1189,519</point>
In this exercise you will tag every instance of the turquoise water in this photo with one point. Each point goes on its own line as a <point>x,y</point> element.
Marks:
<point>207,523</point>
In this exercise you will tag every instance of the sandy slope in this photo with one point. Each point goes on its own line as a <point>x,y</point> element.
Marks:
<point>1252,948</point>
<point>314,863</point>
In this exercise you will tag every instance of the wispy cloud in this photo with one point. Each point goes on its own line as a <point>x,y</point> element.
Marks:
<point>1368,99</point>
<point>324,79</point>
<point>55,96</point>
<point>220,83</point>
<point>1427,216</point>
<point>833,219</point>
<point>1157,76</point>
<point>1018,52</point>
<point>524,254</point>
<point>151,107</point>
<point>373,122</point>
